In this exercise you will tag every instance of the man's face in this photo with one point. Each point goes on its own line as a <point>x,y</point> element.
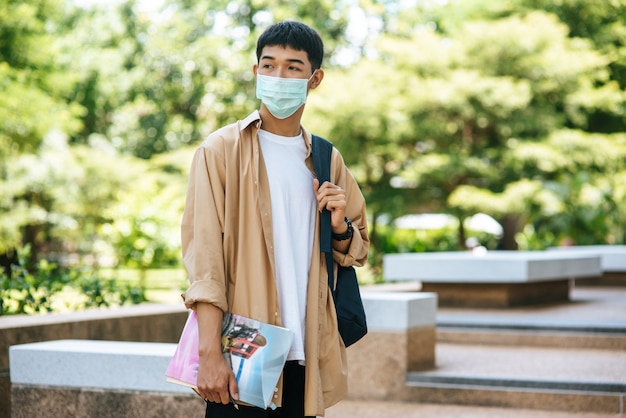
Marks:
<point>277,61</point>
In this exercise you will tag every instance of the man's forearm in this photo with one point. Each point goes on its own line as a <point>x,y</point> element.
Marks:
<point>209,329</point>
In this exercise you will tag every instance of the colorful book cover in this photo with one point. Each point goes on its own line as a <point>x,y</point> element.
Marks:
<point>256,351</point>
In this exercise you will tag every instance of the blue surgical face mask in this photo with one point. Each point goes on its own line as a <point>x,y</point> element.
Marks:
<point>282,96</point>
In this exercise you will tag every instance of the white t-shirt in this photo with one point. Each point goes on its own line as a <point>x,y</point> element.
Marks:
<point>293,221</point>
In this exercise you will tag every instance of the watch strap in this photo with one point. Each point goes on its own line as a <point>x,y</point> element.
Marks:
<point>346,235</point>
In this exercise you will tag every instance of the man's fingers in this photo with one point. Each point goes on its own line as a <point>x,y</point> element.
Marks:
<point>233,388</point>
<point>328,192</point>
<point>224,398</point>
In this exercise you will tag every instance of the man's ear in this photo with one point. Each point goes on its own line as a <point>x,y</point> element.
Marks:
<point>255,67</point>
<point>317,78</point>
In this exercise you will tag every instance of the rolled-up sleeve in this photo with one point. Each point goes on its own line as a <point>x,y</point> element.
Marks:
<point>202,228</point>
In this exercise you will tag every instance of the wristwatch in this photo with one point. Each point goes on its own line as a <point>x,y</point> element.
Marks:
<point>346,235</point>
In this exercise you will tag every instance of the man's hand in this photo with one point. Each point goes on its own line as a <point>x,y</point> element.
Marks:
<point>333,198</point>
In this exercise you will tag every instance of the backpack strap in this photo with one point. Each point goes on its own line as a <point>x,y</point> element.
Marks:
<point>322,151</point>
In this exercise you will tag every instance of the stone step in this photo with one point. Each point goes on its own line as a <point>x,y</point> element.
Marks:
<point>542,378</point>
<point>544,333</point>
<point>532,338</point>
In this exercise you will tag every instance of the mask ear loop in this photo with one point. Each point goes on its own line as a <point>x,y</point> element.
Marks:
<point>314,71</point>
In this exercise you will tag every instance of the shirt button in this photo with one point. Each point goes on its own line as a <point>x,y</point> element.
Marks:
<point>275,390</point>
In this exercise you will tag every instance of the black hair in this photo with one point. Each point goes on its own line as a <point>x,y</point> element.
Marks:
<point>295,35</point>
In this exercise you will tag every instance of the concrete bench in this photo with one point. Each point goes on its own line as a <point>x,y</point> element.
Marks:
<point>145,322</point>
<point>612,260</point>
<point>401,339</point>
<point>89,378</point>
<point>93,364</point>
<point>493,279</point>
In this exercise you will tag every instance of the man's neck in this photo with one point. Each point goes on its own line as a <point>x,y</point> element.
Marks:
<point>284,127</point>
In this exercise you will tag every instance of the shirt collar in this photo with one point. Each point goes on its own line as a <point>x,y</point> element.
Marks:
<point>254,118</point>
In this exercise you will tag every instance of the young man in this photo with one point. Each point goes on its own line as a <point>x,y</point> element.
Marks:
<point>250,234</point>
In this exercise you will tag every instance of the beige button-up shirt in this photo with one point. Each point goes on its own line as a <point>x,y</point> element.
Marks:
<point>228,251</point>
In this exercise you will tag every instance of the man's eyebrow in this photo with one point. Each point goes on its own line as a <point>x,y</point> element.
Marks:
<point>271,58</point>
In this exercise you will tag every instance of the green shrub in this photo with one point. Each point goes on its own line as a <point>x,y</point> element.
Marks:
<point>391,240</point>
<point>38,287</point>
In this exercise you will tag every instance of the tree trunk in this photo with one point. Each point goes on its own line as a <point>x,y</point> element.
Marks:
<point>461,235</point>
<point>510,224</point>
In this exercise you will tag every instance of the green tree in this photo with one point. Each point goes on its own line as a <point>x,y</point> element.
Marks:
<point>458,107</point>
<point>442,120</point>
<point>33,87</point>
<point>80,200</point>
<point>601,22</point>
<point>168,79</point>
<point>34,91</point>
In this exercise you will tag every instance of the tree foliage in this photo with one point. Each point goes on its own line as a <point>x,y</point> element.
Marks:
<point>458,110</point>
<point>515,109</point>
<point>33,87</point>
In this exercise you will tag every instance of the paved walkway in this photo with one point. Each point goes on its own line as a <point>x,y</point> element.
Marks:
<point>589,307</point>
<point>605,305</point>
<point>364,409</point>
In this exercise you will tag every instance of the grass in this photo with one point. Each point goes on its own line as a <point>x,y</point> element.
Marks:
<point>162,285</point>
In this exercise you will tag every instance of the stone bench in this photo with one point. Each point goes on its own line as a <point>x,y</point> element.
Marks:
<point>401,339</point>
<point>89,378</point>
<point>496,279</point>
<point>146,322</point>
<point>612,260</point>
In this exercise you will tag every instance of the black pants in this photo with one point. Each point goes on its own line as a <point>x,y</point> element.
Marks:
<point>292,405</point>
